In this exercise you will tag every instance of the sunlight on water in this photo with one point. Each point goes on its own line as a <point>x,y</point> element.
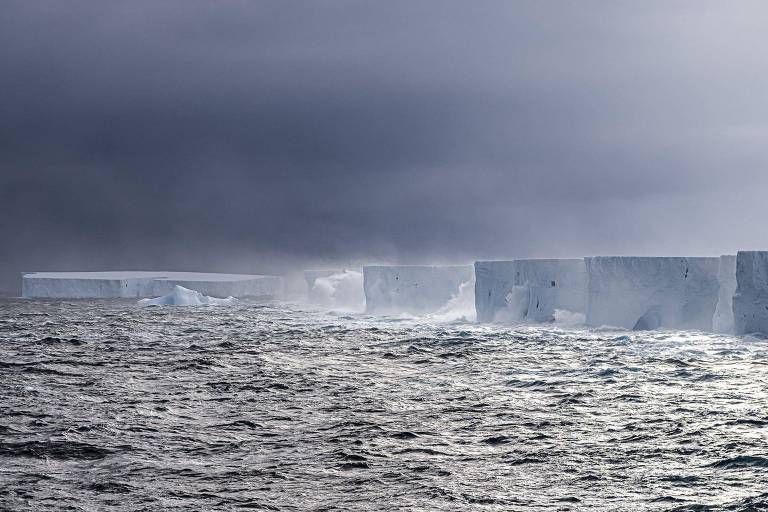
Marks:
<point>109,405</point>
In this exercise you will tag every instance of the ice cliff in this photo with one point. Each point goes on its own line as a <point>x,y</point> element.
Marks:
<point>750,302</point>
<point>652,292</point>
<point>528,290</point>
<point>136,284</point>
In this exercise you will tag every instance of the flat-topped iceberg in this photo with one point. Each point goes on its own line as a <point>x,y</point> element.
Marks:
<point>529,290</point>
<point>138,284</point>
<point>181,296</point>
<point>412,289</point>
<point>652,292</point>
<point>750,302</point>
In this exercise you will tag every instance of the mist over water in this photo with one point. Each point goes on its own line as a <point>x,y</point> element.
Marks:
<point>105,404</point>
<point>341,291</point>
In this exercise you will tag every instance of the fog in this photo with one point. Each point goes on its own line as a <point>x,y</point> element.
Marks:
<point>271,136</point>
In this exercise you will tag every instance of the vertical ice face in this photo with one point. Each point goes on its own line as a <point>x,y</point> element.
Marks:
<point>137,284</point>
<point>220,285</point>
<point>88,285</point>
<point>722,321</point>
<point>412,289</point>
<point>528,290</point>
<point>650,293</point>
<point>750,302</point>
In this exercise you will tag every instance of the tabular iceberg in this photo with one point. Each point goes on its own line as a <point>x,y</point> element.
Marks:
<point>722,321</point>
<point>528,290</point>
<point>137,284</point>
<point>652,292</point>
<point>750,302</point>
<point>181,296</point>
<point>220,285</point>
<point>412,289</point>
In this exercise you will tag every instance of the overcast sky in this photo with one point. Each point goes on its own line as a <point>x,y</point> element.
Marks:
<point>260,136</point>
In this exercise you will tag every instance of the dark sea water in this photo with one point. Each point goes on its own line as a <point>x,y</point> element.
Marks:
<point>108,406</point>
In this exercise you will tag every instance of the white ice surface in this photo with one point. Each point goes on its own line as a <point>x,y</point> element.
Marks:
<point>181,296</point>
<point>750,302</point>
<point>651,293</point>
<point>138,284</point>
<point>529,290</point>
<point>412,289</point>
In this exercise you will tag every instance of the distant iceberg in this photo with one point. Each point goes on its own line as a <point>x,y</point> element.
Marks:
<point>181,296</point>
<point>142,284</point>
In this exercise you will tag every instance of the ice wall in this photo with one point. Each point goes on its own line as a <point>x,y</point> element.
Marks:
<point>649,293</point>
<point>137,284</point>
<point>528,290</point>
<point>750,302</point>
<point>412,289</point>
<point>220,285</point>
<point>722,321</point>
<point>88,285</point>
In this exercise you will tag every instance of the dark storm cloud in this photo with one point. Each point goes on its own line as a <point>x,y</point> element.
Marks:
<point>257,136</point>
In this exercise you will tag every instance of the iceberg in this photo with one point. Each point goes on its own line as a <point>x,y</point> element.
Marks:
<point>181,296</point>
<point>529,290</point>
<point>220,285</point>
<point>412,289</point>
<point>750,302</point>
<point>652,292</point>
<point>722,321</point>
<point>138,284</point>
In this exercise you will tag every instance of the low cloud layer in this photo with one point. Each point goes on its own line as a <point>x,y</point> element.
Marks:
<point>268,136</point>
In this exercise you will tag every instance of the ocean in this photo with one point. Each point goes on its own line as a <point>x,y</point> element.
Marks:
<point>105,405</point>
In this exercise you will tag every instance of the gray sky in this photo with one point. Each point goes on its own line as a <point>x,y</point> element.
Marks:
<point>263,136</point>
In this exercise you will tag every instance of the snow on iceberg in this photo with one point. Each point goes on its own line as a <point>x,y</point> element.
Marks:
<point>530,290</point>
<point>652,292</point>
<point>750,302</point>
<point>412,289</point>
<point>181,296</point>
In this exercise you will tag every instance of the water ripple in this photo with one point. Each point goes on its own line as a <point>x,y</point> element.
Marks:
<point>104,405</point>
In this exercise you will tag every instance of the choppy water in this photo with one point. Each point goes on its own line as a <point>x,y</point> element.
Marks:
<point>104,405</point>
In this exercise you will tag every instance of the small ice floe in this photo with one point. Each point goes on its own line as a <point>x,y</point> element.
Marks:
<point>181,296</point>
